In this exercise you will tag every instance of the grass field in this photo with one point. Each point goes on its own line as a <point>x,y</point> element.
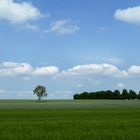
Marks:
<point>69,120</point>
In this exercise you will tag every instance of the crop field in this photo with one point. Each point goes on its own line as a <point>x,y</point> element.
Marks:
<point>70,120</point>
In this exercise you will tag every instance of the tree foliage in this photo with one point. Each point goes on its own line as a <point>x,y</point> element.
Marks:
<point>40,91</point>
<point>108,95</point>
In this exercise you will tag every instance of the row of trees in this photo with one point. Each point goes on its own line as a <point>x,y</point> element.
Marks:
<point>41,91</point>
<point>125,94</point>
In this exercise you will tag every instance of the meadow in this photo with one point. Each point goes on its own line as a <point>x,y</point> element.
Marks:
<point>70,120</point>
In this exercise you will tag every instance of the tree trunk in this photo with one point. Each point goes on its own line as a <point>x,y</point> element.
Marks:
<point>39,98</point>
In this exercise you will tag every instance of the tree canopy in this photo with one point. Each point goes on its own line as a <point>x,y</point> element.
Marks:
<point>125,94</point>
<point>40,91</point>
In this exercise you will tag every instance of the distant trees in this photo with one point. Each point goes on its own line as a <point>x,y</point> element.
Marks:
<point>40,91</point>
<point>125,94</point>
<point>138,96</point>
<point>108,95</point>
<point>132,95</point>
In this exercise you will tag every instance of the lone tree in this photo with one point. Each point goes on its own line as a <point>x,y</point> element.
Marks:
<point>40,91</point>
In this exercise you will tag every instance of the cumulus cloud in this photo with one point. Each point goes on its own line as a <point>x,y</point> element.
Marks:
<point>134,69</point>
<point>51,70</point>
<point>63,27</point>
<point>27,70</point>
<point>18,12</point>
<point>130,15</point>
<point>96,69</point>
<point>12,69</point>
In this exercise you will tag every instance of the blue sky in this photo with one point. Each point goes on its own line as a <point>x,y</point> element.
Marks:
<point>68,46</point>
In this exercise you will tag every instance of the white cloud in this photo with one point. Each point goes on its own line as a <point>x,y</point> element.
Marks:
<point>134,69</point>
<point>12,69</point>
<point>130,15</point>
<point>27,70</point>
<point>63,27</point>
<point>31,27</point>
<point>96,69</point>
<point>51,70</point>
<point>18,12</point>
<point>121,85</point>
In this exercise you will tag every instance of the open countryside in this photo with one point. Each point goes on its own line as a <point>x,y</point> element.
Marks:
<point>69,69</point>
<point>68,119</point>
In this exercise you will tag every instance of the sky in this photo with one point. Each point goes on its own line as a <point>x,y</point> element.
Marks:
<point>69,46</point>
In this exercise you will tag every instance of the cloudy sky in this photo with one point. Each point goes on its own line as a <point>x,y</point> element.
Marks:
<point>69,46</point>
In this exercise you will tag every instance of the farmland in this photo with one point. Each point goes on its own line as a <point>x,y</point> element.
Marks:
<point>68,119</point>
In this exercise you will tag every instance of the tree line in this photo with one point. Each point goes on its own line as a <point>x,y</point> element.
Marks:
<point>125,94</point>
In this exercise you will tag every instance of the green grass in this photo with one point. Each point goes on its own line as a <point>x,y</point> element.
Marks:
<point>69,120</point>
<point>65,104</point>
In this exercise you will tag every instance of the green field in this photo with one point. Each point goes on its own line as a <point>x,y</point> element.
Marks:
<point>70,120</point>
